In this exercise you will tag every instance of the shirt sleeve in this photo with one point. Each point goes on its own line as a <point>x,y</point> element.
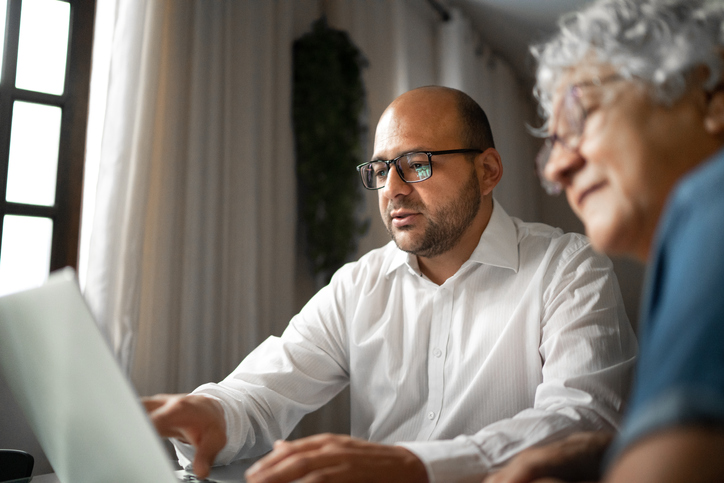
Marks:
<point>587,350</point>
<point>281,380</point>
<point>680,378</point>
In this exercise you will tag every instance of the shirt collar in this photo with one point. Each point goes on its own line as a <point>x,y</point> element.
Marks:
<point>498,246</point>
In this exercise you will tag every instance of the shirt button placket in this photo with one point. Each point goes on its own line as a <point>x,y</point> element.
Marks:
<point>439,332</point>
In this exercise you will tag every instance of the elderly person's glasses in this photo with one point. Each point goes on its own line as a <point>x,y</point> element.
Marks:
<point>570,124</point>
<point>411,167</point>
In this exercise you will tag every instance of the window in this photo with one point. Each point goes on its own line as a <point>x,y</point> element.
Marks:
<point>45,46</point>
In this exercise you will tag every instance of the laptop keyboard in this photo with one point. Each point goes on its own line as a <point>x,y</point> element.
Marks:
<point>187,478</point>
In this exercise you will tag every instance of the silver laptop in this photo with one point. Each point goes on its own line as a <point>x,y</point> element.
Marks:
<point>82,409</point>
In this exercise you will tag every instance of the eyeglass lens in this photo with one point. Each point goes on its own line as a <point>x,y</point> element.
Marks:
<point>572,118</point>
<point>414,167</point>
<point>568,132</point>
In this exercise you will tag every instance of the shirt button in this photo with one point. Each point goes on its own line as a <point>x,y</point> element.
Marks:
<point>437,352</point>
<point>430,415</point>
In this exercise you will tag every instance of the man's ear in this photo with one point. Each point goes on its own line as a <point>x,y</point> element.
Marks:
<point>714,117</point>
<point>490,169</point>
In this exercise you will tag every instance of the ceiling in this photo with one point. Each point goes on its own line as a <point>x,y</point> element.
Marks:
<point>509,27</point>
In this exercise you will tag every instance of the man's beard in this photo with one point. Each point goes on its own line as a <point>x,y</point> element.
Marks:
<point>445,229</point>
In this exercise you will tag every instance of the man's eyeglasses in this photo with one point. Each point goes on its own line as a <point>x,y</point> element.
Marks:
<point>411,167</point>
<point>569,128</point>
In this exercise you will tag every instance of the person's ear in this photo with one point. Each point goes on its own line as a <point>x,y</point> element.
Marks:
<point>714,116</point>
<point>490,169</point>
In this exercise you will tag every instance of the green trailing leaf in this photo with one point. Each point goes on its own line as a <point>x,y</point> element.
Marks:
<point>328,102</point>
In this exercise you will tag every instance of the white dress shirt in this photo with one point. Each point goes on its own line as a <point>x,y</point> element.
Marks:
<point>526,343</point>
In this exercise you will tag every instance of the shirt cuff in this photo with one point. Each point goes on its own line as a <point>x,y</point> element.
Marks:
<point>458,460</point>
<point>186,452</point>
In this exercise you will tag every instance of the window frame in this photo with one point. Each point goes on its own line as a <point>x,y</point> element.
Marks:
<point>65,213</point>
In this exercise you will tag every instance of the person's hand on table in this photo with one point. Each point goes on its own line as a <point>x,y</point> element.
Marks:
<point>192,419</point>
<point>330,458</point>
<point>575,458</point>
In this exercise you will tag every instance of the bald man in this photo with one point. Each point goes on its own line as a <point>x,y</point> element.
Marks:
<point>466,339</point>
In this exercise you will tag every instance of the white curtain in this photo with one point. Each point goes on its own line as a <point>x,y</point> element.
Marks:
<point>191,253</point>
<point>122,182</point>
<point>192,248</point>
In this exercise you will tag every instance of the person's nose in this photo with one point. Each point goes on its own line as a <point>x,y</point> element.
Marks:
<point>562,165</point>
<point>395,185</point>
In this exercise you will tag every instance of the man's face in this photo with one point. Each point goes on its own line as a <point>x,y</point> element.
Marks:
<point>631,153</point>
<point>430,217</point>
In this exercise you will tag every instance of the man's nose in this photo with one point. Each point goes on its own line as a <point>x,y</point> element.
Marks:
<point>395,185</point>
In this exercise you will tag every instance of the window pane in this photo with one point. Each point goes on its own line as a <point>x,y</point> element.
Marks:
<point>25,252</point>
<point>3,13</point>
<point>33,162</point>
<point>43,46</point>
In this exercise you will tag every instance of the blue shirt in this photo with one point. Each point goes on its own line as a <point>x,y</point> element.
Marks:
<point>680,374</point>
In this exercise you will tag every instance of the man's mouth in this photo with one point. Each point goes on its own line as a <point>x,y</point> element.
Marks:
<point>400,218</point>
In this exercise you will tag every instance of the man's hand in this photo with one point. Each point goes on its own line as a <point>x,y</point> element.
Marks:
<point>576,458</point>
<point>330,458</point>
<point>192,419</point>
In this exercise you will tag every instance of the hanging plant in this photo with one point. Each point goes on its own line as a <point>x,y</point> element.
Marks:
<point>328,102</point>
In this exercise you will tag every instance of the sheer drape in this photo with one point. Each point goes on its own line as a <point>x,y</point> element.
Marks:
<point>192,249</point>
<point>192,254</point>
<point>122,180</point>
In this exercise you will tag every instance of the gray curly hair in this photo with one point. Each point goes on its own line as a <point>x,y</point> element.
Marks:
<point>657,42</point>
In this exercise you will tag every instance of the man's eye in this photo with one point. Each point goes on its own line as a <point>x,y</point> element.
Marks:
<point>422,170</point>
<point>381,173</point>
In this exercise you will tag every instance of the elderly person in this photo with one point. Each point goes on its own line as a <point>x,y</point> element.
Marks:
<point>633,95</point>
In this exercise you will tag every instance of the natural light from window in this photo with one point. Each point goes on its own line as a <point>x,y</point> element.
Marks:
<point>25,259</point>
<point>102,43</point>
<point>3,13</point>
<point>43,46</point>
<point>33,161</point>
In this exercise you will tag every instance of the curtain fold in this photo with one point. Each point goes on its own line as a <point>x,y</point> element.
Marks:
<point>192,253</point>
<point>123,179</point>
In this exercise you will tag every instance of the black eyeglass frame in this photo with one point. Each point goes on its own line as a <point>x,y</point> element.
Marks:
<point>395,161</point>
